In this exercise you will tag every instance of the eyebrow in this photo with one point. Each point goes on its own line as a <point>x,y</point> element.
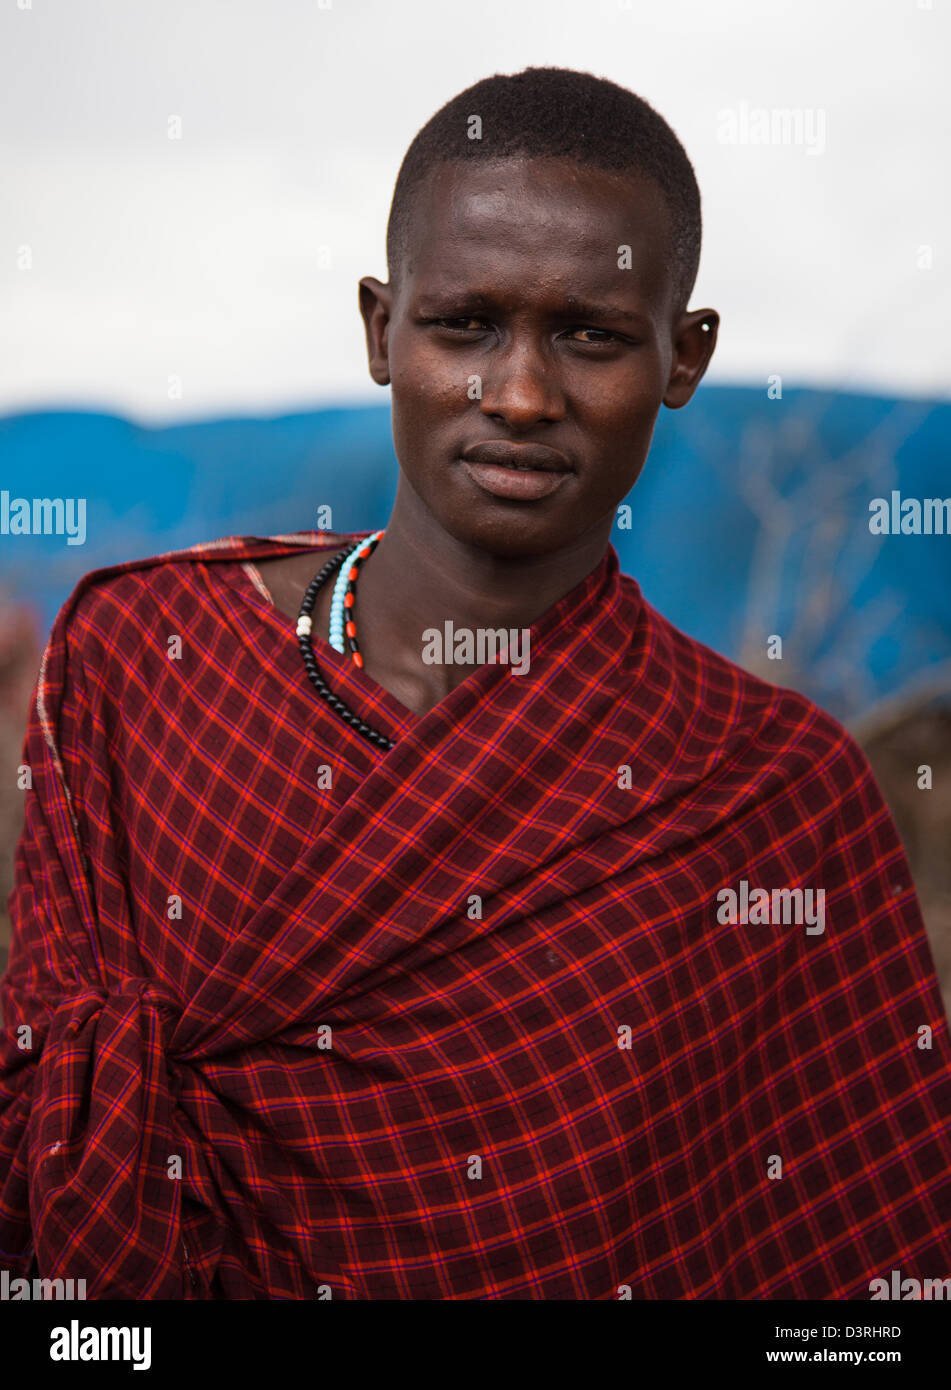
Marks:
<point>575,308</point>
<point>585,309</point>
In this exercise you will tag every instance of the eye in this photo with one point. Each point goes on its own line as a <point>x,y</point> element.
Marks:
<point>464,324</point>
<point>606,339</point>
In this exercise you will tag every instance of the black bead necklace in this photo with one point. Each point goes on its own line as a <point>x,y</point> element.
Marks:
<point>304,627</point>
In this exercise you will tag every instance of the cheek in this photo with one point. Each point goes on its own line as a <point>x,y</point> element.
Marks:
<point>620,397</point>
<point>423,378</point>
<point>427,397</point>
<point>617,411</point>
<point>426,385</point>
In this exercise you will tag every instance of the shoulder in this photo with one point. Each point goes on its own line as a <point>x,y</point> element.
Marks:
<point>110,608</point>
<point>767,731</point>
<point>116,604</point>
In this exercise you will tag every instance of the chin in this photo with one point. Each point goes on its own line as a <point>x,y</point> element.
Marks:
<point>510,537</point>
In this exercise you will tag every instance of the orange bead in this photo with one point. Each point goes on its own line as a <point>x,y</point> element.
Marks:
<point>353,572</point>
<point>348,600</point>
<point>358,659</point>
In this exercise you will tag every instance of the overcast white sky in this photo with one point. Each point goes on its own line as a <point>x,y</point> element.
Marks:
<point>200,257</point>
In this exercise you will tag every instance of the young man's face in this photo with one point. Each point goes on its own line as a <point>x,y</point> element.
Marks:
<point>512,325</point>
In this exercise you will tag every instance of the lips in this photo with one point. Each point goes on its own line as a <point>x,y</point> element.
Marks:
<point>515,472</point>
<point>503,454</point>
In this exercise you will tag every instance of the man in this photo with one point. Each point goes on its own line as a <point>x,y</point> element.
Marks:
<point>368,968</point>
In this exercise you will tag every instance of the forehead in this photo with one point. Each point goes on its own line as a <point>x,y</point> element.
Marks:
<point>520,221</point>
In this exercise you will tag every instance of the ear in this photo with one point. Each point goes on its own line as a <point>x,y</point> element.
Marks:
<point>376,302</point>
<point>695,337</point>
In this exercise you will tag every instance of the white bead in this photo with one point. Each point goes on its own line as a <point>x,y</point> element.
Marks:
<point>304,625</point>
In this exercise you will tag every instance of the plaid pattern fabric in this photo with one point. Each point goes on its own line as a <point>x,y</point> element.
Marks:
<point>461,1019</point>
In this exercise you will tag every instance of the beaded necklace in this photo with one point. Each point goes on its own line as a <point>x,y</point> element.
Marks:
<point>339,607</point>
<point>342,625</point>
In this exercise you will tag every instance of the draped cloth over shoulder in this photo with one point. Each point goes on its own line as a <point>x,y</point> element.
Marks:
<point>288,1015</point>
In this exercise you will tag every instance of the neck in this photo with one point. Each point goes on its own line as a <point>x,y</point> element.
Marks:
<point>419,576</point>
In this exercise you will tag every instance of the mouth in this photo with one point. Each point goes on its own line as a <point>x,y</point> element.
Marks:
<point>517,472</point>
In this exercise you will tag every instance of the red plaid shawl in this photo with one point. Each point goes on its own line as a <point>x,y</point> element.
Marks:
<point>366,1086</point>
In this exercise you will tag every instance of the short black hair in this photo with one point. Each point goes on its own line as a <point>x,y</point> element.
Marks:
<point>566,114</point>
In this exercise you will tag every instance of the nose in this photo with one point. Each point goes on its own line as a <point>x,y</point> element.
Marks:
<point>521,387</point>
